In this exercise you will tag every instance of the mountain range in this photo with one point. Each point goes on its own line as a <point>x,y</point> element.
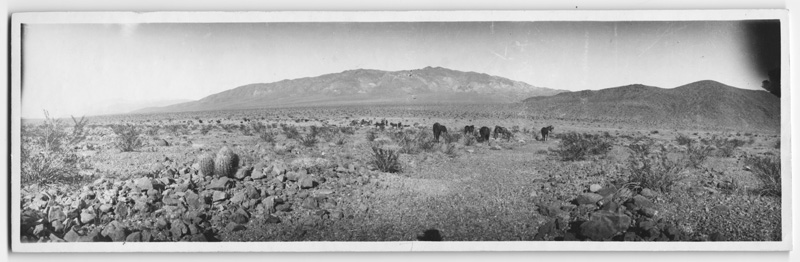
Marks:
<point>704,103</point>
<point>365,86</point>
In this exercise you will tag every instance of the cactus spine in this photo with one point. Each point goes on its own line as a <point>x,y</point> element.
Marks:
<point>226,163</point>
<point>206,165</point>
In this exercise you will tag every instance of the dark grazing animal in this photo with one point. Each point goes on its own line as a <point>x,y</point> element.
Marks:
<point>546,132</point>
<point>485,132</point>
<point>438,129</point>
<point>499,130</point>
<point>469,130</point>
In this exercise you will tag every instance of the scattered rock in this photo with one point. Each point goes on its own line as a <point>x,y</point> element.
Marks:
<point>588,199</point>
<point>604,225</point>
<point>144,184</point>
<point>310,203</point>
<point>273,219</point>
<point>243,172</point>
<point>646,192</point>
<point>638,202</point>
<point>306,182</point>
<point>134,237</point>
<point>594,188</point>
<point>219,196</point>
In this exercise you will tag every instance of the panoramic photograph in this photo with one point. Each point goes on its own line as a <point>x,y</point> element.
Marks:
<point>639,131</point>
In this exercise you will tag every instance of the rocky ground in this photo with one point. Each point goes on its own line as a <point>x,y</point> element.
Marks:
<point>498,190</point>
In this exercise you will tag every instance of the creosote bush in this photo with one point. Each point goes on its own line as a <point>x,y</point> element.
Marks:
<point>768,171</point>
<point>652,169</point>
<point>385,160</point>
<point>47,151</point>
<point>308,140</point>
<point>128,138</point>
<point>371,135</point>
<point>576,146</point>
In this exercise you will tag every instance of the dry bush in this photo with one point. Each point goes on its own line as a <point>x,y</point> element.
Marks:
<point>47,151</point>
<point>652,169</point>
<point>308,140</point>
<point>768,171</point>
<point>469,140</point>
<point>128,138</point>
<point>386,160</point>
<point>696,154</point>
<point>451,138</point>
<point>575,146</point>
<point>684,140</point>
<point>290,132</point>
<point>371,135</point>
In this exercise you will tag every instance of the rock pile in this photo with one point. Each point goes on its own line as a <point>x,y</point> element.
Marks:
<point>188,203</point>
<point>607,214</point>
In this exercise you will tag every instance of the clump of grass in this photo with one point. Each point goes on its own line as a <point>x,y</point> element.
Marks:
<point>652,169</point>
<point>684,140</point>
<point>128,138</point>
<point>575,146</point>
<point>385,160</point>
<point>768,171</point>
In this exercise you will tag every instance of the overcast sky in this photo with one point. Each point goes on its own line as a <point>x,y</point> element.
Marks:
<point>76,68</point>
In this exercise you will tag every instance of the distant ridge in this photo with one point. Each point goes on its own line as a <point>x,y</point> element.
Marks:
<point>365,86</point>
<point>700,104</point>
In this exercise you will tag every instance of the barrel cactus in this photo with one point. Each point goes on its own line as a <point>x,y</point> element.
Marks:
<point>226,163</point>
<point>206,162</point>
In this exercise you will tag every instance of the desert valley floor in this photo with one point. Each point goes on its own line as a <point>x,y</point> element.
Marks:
<point>312,174</point>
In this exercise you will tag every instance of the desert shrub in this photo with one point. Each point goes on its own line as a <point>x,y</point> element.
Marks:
<point>696,154</point>
<point>205,129</point>
<point>684,140</point>
<point>371,135</point>
<point>308,140</point>
<point>128,138</point>
<point>725,147</point>
<point>416,142</point>
<point>469,140</point>
<point>451,138</point>
<point>652,169</point>
<point>290,132</point>
<point>246,130</point>
<point>385,160</point>
<point>47,151</point>
<point>341,140</point>
<point>768,171</point>
<point>450,150</point>
<point>347,130</point>
<point>151,131</point>
<point>575,146</point>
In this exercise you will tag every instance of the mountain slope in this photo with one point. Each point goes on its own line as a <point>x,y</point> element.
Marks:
<point>699,104</point>
<point>427,85</point>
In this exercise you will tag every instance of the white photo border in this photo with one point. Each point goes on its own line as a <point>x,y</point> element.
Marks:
<point>20,19</point>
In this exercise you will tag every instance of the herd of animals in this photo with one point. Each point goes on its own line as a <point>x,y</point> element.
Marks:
<point>439,129</point>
